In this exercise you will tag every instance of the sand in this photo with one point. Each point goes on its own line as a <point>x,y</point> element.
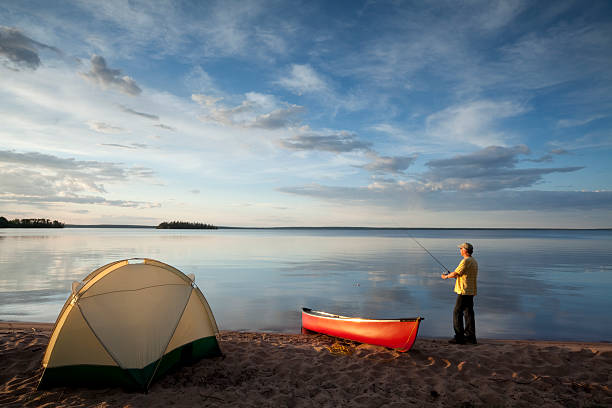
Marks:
<point>294,370</point>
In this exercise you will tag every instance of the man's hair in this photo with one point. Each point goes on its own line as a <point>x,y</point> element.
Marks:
<point>468,247</point>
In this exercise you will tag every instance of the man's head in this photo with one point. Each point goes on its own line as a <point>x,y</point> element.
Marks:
<point>468,247</point>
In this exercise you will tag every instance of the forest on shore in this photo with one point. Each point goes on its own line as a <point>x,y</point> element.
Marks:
<point>30,223</point>
<point>185,225</point>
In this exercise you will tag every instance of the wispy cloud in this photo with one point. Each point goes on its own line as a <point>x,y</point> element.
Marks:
<point>39,178</point>
<point>255,111</point>
<point>206,101</point>
<point>132,146</point>
<point>209,29</point>
<point>497,14</point>
<point>401,196</point>
<point>548,157</point>
<point>475,122</point>
<point>489,173</point>
<point>75,199</point>
<point>336,142</point>
<point>492,168</point>
<point>166,127</point>
<point>489,157</point>
<point>277,119</point>
<point>20,51</point>
<point>101,74</point>
<point>389,164</point>
<point>141,114</point>
<point>303,79</point>
<point>102,127</point>
<point>199,81</point>
<point>566,123</point>
<point>539,58</point>
<point>536,200</point>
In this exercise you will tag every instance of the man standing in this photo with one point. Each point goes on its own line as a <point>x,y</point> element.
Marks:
<point>465,287</point>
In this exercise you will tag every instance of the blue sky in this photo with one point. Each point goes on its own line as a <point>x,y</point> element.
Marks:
<point>315,113</point>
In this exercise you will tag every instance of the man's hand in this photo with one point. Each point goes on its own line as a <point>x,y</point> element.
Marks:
<point>444,276</point>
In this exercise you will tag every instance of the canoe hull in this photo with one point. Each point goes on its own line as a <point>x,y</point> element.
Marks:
<point>398,334</point>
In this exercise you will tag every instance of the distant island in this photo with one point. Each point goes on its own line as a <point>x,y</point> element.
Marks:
<point>185,225</point>
<point>30,223</point>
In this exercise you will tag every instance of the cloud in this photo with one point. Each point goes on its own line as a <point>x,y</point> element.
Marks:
<point>39,178</point>
<point>488,175</point>
<point>489,157</point>
<point>303,79</point>
<point>244,29</point>
<point>132,146</point>
<point>255,111</point>
<point>489,169</point>
<point>389,164</point>
<point>277,119</point>
<point>206,100</point>
<point>102,127</point>
<point>402,196</point>
<point>139,171</point>
<point>199,80</point>
<point>104,76</point>
<point>336,142</point>
<point>497,14</point>
<point>540,58</point>
<point>383,194</point>
<point>538,200</point>
<point>20,50</point>
<point>203,30</point>
<point>166,127</point>
<point>565,123</point>
<point>472,122</point>
<point>547,158</point>
<point>33,159</point>
<point>31,199</point>
<point>133,112</point>
<point>559,151</point>
<point>414,48</point>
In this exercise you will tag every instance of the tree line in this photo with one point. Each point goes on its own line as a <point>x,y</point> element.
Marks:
<point>30,223</point>
<point>185,225</point>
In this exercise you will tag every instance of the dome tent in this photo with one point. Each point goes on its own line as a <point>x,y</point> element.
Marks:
<point>126,324</point>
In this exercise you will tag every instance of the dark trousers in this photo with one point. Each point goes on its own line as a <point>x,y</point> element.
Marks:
<point>464,308</point>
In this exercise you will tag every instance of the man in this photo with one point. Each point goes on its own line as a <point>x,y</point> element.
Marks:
<point>465,287</point>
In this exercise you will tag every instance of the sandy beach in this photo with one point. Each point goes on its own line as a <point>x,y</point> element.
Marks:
<point>287,370</point>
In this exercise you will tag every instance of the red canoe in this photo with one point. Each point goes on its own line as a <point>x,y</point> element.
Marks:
<point>394,333</point>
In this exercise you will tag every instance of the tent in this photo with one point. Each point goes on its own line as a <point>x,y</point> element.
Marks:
<point>126,324</point>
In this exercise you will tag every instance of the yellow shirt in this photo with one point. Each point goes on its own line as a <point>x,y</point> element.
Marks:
<point>467,271</point>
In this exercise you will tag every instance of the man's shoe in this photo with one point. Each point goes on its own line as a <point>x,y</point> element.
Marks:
<point>456,341</point>
<point>471,340</point>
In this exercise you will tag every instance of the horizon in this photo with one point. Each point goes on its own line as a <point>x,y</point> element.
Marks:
<point>347,227</point>
<point>274,114</point>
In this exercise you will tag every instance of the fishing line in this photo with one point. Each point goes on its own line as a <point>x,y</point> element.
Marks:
<point>435,259</point>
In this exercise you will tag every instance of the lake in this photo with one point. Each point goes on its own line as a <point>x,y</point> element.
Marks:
<point>532,284</point>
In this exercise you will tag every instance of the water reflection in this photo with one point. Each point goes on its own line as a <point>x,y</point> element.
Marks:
<point>532,284</point>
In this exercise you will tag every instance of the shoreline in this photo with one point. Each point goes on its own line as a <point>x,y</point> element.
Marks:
<point>352,228</point>
<point>42,326</point>
<point>273,369</point>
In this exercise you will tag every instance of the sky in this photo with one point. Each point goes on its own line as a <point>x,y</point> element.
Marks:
<point>317,113</point>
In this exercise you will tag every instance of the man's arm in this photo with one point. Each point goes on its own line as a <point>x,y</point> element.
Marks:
<point>456,272</point>
<point>451,275</point>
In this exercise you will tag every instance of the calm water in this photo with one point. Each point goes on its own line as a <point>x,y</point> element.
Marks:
<point>532,284</point>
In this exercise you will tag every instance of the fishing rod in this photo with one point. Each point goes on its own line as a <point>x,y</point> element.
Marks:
<point>435,259</point>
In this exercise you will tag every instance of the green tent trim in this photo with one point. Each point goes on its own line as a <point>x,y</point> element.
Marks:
<point>101,376</point>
